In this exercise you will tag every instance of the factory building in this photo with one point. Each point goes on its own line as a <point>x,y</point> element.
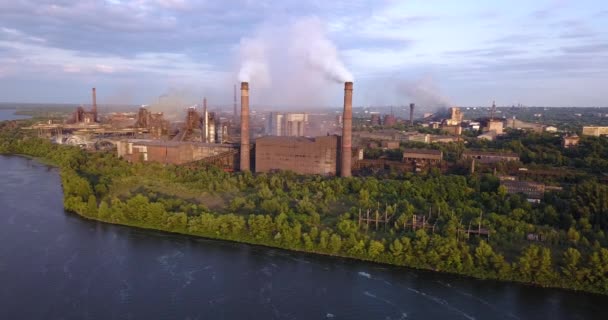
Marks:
<point>153,121</point>
<point>570,141</point>
<point>287,124</point>
<point>595,131</point>
<point>325,155</point>
<point>81,116</point>
<point>490,157</point>
<point>452,125</point>
<point>389,120</point>
<point>455,117</point>
<point>298,154</point>
<point>426,156</point>
<point>169,152</point>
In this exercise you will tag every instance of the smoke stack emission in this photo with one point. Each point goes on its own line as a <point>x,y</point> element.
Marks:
<point>245,126</point>
<point>94,105</point>
<point>412,106</point>
<point>347,120</point>
<point>291,63</point>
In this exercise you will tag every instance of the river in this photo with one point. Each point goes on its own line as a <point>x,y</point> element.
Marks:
<point>56,265</point>
<point>9,114</point>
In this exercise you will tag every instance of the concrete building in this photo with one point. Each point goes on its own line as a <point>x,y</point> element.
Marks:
<point>455,117</point>
<point>287,124</point>
<point>490,157</point>
<point>170,152</point>
<point>392,145</point>
<point>301,155</point>
<point>427,156</point>
<point>455,130</point>
<point>425,138</point>
<point>570,141</point>
<point>494,125</point>
<point>595,131</point>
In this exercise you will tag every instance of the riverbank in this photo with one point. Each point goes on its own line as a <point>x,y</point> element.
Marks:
<point>80,268</point>
<point>257,215</point>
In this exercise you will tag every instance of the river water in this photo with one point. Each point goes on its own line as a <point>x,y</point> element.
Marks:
<point>56,265</point>
<point>9,114</point>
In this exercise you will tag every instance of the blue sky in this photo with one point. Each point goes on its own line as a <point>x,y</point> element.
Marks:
<point>541,52</point>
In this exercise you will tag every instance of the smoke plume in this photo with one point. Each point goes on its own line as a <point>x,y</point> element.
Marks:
<point>292,63</point>
<point>310,44</point>
<point>173,103</point>
<point>423,92</point>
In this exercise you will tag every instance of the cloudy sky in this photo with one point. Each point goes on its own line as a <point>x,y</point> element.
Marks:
<point>467,52</point>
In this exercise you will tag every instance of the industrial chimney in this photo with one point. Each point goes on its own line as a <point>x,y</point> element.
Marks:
<point>206,138</point>
<point>245,126</point>
<point>412,106</point>
<point>347,120</point>
<point>94,106</point>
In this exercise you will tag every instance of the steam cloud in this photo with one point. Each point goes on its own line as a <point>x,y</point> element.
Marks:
<point>296,55</point>
<point>310,42</point>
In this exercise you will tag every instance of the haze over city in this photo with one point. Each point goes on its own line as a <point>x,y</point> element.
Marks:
<point>462,53</point>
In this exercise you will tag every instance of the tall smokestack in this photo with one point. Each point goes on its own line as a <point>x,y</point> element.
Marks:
<point>347,120</point>
<point>94,105</point>
<point>412,106</point>
<point>206,138</point>
<point>235,112</point>
<point>245,126</point>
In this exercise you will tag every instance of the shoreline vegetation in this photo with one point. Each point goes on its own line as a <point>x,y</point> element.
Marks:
<point>320,215</point>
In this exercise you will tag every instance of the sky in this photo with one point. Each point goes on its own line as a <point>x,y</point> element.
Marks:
<point>463,53</point>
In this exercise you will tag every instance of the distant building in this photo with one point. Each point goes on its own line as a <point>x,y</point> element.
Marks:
<point>550,129</point>
<point>153,121</point>
<point>455,130</point>
<point>428,156</point>
<point>490,157</point>
<point>495,126</point>
<point>169,152</point>
<point>490,136</point>
<point>390,120</point>
<point>286,124</point>
<point>534,191</point>
<point>455,117</point>
<point>425,138</point>
<point>375,119</point>
<point>595,131</point>
<point>570,141</point>
<point>443,139</point>
<point>392,145</point>
<point>298,154</point>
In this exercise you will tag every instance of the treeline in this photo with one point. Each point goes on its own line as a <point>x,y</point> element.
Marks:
<point>320,215</point>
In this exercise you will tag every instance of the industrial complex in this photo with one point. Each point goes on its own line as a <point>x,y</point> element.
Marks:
<point>282,141</point>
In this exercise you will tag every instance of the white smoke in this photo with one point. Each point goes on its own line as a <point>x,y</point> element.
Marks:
<point>254,62</point>
<point>309,42</point>
<point>293,61</point>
